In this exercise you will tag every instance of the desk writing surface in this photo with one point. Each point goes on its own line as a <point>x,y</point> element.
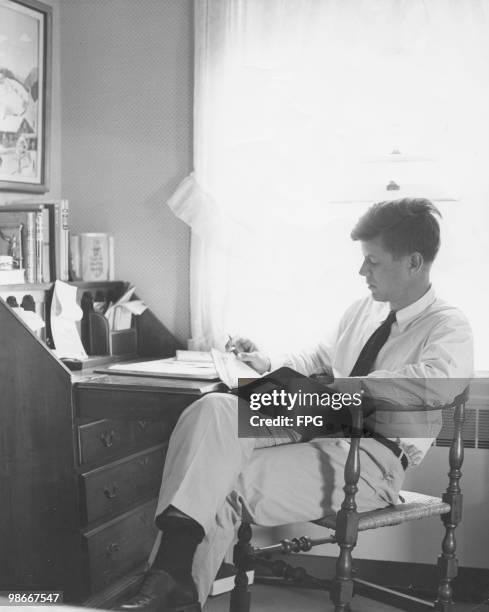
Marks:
<point>135,397</point>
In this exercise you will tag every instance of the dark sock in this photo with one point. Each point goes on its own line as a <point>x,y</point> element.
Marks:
<point>181,536</point>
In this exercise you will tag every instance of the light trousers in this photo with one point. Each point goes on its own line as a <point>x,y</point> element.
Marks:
<point>220,480</point>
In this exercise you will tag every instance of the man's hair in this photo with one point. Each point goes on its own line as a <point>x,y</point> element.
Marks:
<point>405,226</point>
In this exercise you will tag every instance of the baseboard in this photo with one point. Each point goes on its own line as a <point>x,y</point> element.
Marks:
<point>415,579</point>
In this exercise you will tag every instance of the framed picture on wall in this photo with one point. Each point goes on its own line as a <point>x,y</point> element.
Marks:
<point>25,87</point>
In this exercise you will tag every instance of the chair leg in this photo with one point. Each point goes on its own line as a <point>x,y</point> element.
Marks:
<point>240,595</point>
<point>346,536</point>
<point>447,561</point>
<point>342,589</point>
<point>347,523</point>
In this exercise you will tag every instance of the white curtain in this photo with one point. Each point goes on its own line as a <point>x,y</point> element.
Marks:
<point>304,111</point>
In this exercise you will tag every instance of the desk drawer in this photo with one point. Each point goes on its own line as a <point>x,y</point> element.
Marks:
<point>114,488</point>
<point>119,546</point>
<point>121,402</point>
<point>105,439</point>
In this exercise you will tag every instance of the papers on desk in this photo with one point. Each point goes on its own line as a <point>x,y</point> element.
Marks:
<point>168,368</point>
<point>191,365</point>
<point>193,356</point>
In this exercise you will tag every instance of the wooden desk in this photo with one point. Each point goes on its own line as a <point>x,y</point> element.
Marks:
<point>81,457</point>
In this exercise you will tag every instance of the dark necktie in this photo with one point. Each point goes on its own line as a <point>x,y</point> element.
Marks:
<point>369,353</point>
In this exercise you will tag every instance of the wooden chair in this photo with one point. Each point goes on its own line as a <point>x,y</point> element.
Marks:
<point>348,523</point>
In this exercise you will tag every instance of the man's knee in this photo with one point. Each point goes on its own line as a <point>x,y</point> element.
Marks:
<point>213,407</point>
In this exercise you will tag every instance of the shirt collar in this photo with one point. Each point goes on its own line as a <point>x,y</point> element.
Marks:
<point>405,315</point>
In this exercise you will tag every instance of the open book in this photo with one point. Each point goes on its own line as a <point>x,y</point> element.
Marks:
<point>230,369</point>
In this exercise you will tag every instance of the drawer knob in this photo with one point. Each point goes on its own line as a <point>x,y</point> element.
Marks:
<point>110,492</point>
<point>107,438</point>
<point>143,424</point>
<point>112,548</point>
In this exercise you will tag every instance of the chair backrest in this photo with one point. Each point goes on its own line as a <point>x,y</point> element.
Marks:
<point>456,452</point>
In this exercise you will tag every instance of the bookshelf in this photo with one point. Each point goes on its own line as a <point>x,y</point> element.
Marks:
<point>48,286</point>
<point>36,237</point>
<point>25,287</point>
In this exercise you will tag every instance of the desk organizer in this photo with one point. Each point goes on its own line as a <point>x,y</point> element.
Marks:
<point>103,341</point>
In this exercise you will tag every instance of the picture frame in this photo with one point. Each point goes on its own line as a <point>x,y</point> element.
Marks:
<point>25,95</point>
<point>11,242</point>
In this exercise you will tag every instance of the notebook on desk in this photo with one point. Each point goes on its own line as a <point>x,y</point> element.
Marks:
<point>191,365</point>
<point>166,368</point>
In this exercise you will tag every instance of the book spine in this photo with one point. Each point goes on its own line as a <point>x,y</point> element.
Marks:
<point>47,272</point>
<point>39,245</point>
<point>54,224</point>
<point>75,260</point>
<point>30,247</point>
<point>63,240</point>
<point>111,258</point>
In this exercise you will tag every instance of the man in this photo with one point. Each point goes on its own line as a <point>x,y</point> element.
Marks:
<point>213,479</point>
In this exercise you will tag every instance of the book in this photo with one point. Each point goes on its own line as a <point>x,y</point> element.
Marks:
<point>54,253</point>
<point>63,250</point>
<point>94,256</point>
<point>30,247</point>
<point>167,368</point>
<point>175,384</point>
<point>57,239</point>
<point>35,237</point>
<point>231,369</point>
<point>41,259</point>
<point>75,261</point>
<point>192,365</point>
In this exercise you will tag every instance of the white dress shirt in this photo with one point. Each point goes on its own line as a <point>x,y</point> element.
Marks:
<point>429,353</point>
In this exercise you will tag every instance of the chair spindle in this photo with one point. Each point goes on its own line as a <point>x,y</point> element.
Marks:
<point>447,561</point>
<point>347,521</point>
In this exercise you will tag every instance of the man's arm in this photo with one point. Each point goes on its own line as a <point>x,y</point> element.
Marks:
<point>316,360</point>
<point>443,371</point>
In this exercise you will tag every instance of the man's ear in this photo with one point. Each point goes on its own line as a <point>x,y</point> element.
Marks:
<point>416,261</point>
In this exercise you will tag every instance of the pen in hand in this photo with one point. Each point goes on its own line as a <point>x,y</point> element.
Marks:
<point>231,346</point>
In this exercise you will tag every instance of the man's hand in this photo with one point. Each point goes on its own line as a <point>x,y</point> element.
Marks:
<point>247,351</point>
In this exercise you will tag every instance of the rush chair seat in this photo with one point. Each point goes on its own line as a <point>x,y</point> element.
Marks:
<point>347,523</point>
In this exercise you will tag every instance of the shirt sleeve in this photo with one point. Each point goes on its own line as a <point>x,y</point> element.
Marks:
<point>443,371</point>
<point>316,360</point>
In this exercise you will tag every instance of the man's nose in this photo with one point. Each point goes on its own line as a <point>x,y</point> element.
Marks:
<point>363,270</point>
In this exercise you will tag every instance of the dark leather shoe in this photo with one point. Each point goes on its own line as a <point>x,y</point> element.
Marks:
<point>160,592</point>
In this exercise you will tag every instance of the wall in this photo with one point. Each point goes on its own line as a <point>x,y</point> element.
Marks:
<point>126,73</point>
<point>55,127</point>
